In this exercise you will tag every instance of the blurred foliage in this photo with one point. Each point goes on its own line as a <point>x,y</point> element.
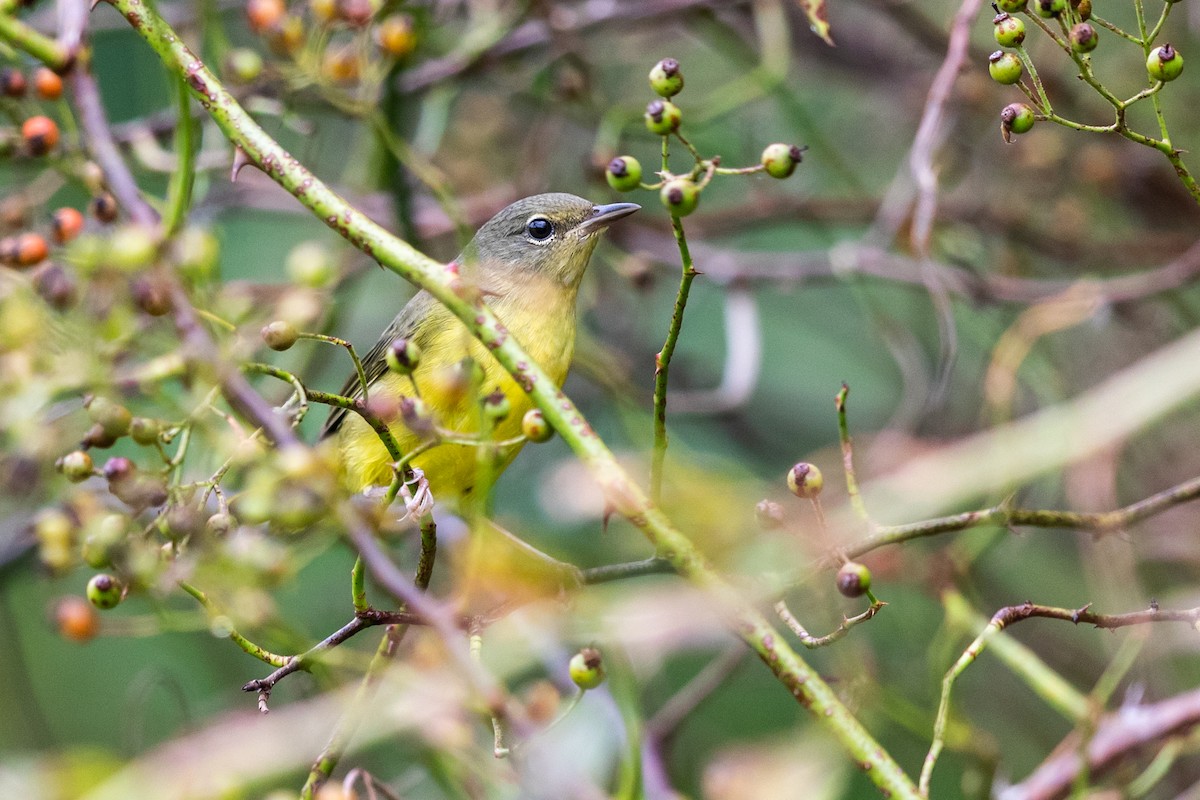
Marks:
<point>431,116</point>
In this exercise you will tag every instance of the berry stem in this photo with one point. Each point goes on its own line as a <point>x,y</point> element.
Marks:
<point>262,654</point>
<point>1116,29</point>
<point>358,367</point>
<point>179,189</point>
<point>856,500</point>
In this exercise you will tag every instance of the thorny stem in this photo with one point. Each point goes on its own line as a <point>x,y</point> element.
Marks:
<point>623,494</point>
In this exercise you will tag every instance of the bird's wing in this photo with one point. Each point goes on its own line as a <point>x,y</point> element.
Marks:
<point>374,364</point>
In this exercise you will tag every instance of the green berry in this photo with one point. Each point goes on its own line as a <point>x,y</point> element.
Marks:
<point>534,426</point>
<point>1009,31</point>
<point>105,591</point>
<point>196,252</point>
<point>402,356</point>
<point>310,264</point>
<point>680,196</point>
<point>113,418</point>
<point>1017,118</point>
<point>243,65</point>
<point>1049,8</point>
<point>1011,6</point>
<point>1084,38</point>
<point>587,668</point>
<point>853,579</point>
<point>805,480</point>
<point>780,159</point>
<point>1164,64</point>
<point>662,117</point>
<point>220,524</point>
<point>145,431</point>
<point>496,406</point>
<point>280,335</point>
<point>1004,67</point>
<point>666,79</point>
<point>624,173</point>
<point>53,528</point>
<point>76,466</point>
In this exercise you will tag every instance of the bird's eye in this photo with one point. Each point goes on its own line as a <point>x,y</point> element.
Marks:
<point>539,229</point>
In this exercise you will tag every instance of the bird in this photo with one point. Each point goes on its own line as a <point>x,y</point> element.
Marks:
<point>527,263</point>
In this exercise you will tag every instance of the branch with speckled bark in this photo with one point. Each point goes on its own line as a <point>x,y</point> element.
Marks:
<point>444,283</point>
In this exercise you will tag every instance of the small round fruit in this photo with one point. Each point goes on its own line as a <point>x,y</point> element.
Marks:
<point>56,286</point>
<point>264,15</point>
<point>1008,31</point>
<point>220,524</point>
<point>31,249</point>
<point>1005,67</point>
<point>587,668</point>
<point>47,83</point>
<point>1011,6</point>
<point>780,159</point>
<point>1084,38</point>
<point>396,36</point>
<point>1017,118</point>
<point>666,79</point>
<point>624,173</point>
<point>805,480</point>
<point>67,223</point>
<point>12,82</point>
<point>243,65</point>
<point>76,466</point>
<point>145,431</point>
<point>1049,8</point>
<point>110,415</point>
<point>356,13</point>
<point>496,406</point>
<point>104,207</point>
<point>680,196</point>
<point>662,117</point>
<point>1164,63</point>
<point>105,591</point>
<point>402,356</point>
<point>342,65</point>
<point>310,264</point>
<point>853,579</point>
<point>280,335</point>
<point>287,37</point>
<point>323,11</point>
<point>534,426</point>
<point>119,469</point>
<point>76,619</point>
<point>40,135</point>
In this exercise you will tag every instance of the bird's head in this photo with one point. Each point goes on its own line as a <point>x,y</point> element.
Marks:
<point>547,234</point>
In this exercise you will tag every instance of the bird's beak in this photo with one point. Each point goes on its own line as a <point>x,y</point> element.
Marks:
<point>605,215</point>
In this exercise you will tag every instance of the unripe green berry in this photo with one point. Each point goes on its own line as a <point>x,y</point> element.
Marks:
<point>195,252</point>
<point>1164,63</point>
<point>402,356</point>
<point>853,579</point>
<point>1084,38</point>
<point>1049,8</point>
<point>310,264</point>
<point>587,668</point>
<point>53,528</point>
<point>105,591</point>
<point>805,480</point>
<point>1017,118</point>
<point>243,65</point>
<point>496,406</point>
<point>1011,6</point>
<point>680,196</point>
<point>112,417</point>
<point>280,335</point>
<point>104,537</point>
<point>220,524</point>
<point>1004,67</point>
<point>780,159</point>
<point>624,173</point>
<point>666,79</point>
<point>1009,31</point>
<point>662,117</point>
<point>534,426</point>
<point>145,431</point>
<point>76,466</point>
<point>131,247</point>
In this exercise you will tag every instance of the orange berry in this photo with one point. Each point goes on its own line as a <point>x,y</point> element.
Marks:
<point>68,222</point>
<point>31,249</point>
<point>342,66</point>
<point>287,38</point>
<point>48,84</point>
<point>395,35</point>
<point>76,618</point>
<point>40,135</point>
<point>264,15</point>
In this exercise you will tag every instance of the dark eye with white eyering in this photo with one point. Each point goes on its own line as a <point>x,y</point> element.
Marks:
<point>539,229</point>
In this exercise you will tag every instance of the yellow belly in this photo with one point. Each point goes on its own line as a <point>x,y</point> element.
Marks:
<point>547,334</point>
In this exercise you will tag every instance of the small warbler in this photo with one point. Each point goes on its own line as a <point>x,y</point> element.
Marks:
<point>527,262</point>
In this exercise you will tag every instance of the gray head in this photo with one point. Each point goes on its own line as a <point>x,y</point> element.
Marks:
<point>553,234</point>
